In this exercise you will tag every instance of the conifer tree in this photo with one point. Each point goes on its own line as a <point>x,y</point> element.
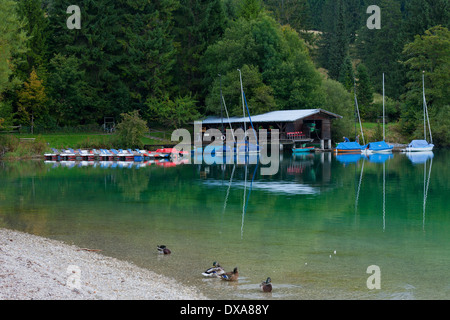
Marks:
<point>197,24</point>
<point>380,50</point>
<point>12,44</point>
<point>36,28</point>
<point>364,90</point>
<point>346,74</point>
<point>335,39</point>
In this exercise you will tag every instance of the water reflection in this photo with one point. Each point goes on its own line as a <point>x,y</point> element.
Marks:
<point>420,157</point>
<point>350,158</point>
<point>380,157</point>
<point>423,158</point>
<point>117,164</point>
<point>284,226</point>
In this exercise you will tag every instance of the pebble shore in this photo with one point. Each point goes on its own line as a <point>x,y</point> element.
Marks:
<point>36,268</point>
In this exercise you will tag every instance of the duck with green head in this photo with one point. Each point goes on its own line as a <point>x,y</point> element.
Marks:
<point>266,286</point>
<point>163,249</point>
<point>215,271</point>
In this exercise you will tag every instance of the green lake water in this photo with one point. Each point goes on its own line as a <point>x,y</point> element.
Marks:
<point>315,227</point>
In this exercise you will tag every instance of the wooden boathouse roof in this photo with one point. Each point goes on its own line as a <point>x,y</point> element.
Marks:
<point>274,116</point>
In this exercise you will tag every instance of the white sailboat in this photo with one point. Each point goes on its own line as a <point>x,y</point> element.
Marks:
<point>422,145</point>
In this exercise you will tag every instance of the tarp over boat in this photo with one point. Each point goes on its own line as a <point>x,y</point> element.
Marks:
<point>419,144</point>
<point>378,146</point>
<point>349,146</point>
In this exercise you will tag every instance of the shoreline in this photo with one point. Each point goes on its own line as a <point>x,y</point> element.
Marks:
<point>37,268</point>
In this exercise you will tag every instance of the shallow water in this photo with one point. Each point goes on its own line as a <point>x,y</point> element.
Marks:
<point>314,228</point>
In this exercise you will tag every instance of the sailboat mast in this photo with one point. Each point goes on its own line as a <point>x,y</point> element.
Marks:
<point>357,110</point>
<point>424,105</point>
<point>221,101</point>
<point>384,133</point>
<point>425,111</point>
<point>243,106</point>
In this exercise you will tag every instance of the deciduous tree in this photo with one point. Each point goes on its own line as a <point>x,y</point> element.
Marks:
<point>32,100</point>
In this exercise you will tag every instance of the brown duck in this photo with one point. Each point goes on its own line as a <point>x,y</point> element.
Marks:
<point>266,286</point>
<point>230,276</point>
<point>163,249</point>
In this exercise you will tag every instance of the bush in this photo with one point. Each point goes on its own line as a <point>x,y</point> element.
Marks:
<point>8,143</point>
<point>14,148</point>
<point>131,129</point>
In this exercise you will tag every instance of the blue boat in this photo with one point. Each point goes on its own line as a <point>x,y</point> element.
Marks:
<point>377,147</point>
<point>348,147</point>
<point>302,149</point>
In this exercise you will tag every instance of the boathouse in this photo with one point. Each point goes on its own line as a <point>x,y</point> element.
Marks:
<point>304,125</point>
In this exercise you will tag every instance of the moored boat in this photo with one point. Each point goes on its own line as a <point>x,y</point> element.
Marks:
<point>303,149</point>
<point>422,145</point>
<point>419,146</point>
<point>377,147</point>
<point>348,147</point>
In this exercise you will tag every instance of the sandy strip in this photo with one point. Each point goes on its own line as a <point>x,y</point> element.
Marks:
<point>33,267</point>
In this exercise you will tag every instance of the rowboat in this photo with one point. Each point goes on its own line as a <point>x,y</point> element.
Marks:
<point>302,149</point>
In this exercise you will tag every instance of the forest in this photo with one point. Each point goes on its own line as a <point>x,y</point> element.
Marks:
<point>172,59</point>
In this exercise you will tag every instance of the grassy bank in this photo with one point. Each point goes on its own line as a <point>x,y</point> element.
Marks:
<point>374,132</point>
<point>27,146</point>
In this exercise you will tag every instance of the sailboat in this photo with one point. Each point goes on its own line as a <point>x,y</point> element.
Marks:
<point>348,146</point>
<point>379,146</point>
<point>422,145</point>
<point>246,146</point>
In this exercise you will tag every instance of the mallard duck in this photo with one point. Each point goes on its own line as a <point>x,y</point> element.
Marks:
<point>215,271</point>
<point>230,276</point>
<point>163,249</point>
<point>266,286</point>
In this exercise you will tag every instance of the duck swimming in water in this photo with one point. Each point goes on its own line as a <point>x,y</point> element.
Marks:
<point>163,249</point>
<point>266,286</point>
<point>215,271</point>
<point>230,276</point>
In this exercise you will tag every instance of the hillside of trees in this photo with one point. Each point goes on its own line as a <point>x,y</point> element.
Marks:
<point>171,59</point>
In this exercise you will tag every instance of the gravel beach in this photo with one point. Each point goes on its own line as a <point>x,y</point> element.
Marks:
<point>36,268</point>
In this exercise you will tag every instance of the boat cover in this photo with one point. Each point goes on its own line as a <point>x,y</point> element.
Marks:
<point>379,145</point>
<point>419,144</point>
<point>348,146</point>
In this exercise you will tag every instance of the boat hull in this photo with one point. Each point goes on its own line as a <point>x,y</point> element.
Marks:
<point>347,151</point>
<point>419,149</point>
<point>384,151</point>
<point>302,150</point>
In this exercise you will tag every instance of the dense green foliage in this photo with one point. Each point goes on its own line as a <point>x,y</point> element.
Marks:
<point>131,129</point>
<point>171,59</point>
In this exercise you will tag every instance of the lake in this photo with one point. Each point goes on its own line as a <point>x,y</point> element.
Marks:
<point>315,227</point>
